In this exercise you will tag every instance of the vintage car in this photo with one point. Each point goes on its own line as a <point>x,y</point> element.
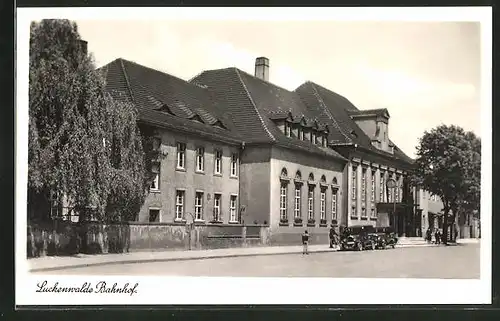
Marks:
<point>379,240</point>
<point>386,237</point>
<point>357,238</point>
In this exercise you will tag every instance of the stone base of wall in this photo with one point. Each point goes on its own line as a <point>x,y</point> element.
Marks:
<point>68,238</point>
<point>285,235</point>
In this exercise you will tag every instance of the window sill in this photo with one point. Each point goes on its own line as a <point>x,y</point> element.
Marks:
<point>284,224</point>
<point>199,172</point>
<point>233,177</point>
<point>233,222</point>
<point>311,224</point>
<point>199,222</point>
<point>354,218</point>
<point>298,224</point>
<point>155,191</point>
<point>180,169</point>
<point>216,222</point>
<point>364,218</point>
<point>218,174</point>
<point>323,225</point>
<point>373,218</point>
<point>180,222</point>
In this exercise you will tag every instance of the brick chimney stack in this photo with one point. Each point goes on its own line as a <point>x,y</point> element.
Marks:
<point>262,68</point>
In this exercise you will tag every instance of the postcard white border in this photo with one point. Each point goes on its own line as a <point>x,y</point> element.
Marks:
<point>206,290</point>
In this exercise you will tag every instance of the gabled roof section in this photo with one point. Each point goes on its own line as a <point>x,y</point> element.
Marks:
<point>339,109</point>
<point>176,103</point>
<point>255,104</point>
<point>369,112</point>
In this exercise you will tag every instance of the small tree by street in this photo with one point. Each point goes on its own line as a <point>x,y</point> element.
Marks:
<point>449,166</point>
<point>84,147</point>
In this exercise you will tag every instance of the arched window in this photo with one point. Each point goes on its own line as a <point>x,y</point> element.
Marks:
<point>311,177</point>
<point>284,173</point>
<point>323,179</point>
<point>334,181</point>
<point>298,175</point>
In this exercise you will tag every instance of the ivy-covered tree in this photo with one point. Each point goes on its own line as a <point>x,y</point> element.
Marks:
<point>448,165</point>
<point>84,147</point>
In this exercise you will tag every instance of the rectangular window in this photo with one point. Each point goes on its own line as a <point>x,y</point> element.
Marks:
<point>354,182</point>
<point>354,213</point>
<point>373,213</point>
<point>334,204</point>
<point>382,187</point>
<point>397,190</point>
<point>363,212</point>
<point>179,205</point>
<point>218,162</point>
<point>232,209</point>
<point>181,155</point>
<point>155,183</point>
<point>373,187</point>
<point>283,202</point>
<point>217,202</point>
<point>297,202</point>
<point>234,165</point>
<point>198,206</point>
<point>363,184</point>
<point>310,204</point>
<point>200,159</point>
<point>322,205</point>
<point>154,216</point>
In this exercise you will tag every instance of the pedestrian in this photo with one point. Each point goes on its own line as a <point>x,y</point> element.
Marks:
<point>428,235</point>
<point>437,236</point>
<point>333,236</point>
<point>305,242</point>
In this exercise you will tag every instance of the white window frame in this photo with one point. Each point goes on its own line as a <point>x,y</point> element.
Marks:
<point>297,201</point>
<point>198,205</point>
<point>179,205</point>
<point>382,187</point>
<point>218,162</point>
<point>310,203</point>
<point>373,185</point>
<point>354,182</point>
<point>283,201</point>
<point>322,205</point>
<point>363,184</point>
<point>155,184</point>
<point>334,204</point>
<point>233,208</point>
<point>200,159</point>
<point>363,212</point>
<point>234,164</point>
<point>181,155</point>
<point>217,207</point>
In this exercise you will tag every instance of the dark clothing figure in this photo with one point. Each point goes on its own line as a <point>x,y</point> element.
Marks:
<point>428,235</point>
<point>305,242</point>
<point>333,236</point>
<point>437,235</point>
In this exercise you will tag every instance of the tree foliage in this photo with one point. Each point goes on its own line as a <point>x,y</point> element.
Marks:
<point>83,145</point>
<point>449,166</point>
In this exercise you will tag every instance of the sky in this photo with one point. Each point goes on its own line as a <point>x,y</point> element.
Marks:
<point>424,73</point>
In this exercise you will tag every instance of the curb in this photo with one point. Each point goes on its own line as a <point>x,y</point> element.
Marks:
<point>136,261</point>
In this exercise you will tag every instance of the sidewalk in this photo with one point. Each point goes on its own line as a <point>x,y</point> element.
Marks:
<point>52,263</point>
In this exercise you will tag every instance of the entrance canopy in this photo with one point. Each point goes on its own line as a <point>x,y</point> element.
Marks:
<point>389,207</point>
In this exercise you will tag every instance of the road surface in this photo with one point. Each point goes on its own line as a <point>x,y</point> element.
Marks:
<point>459,262</point>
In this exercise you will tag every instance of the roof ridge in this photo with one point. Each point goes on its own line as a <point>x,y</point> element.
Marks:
<point>317,95</point>
<point>126,79</point>
<point>254,106</point>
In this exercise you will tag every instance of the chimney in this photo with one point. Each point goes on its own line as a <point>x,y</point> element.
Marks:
<point>83,46</point>
<point>262,68</point>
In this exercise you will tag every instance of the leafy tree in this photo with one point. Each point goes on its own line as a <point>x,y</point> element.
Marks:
<point>448,165</point>
<point>84,147</point>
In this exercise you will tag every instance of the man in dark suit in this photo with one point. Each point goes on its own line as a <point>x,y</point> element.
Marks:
<point>305,242</point>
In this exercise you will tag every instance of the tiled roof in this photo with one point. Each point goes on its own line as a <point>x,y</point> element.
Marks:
<point>339,109</point>
<point>168,101</point>
<point>254,104</point>
<point>365,112</point>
